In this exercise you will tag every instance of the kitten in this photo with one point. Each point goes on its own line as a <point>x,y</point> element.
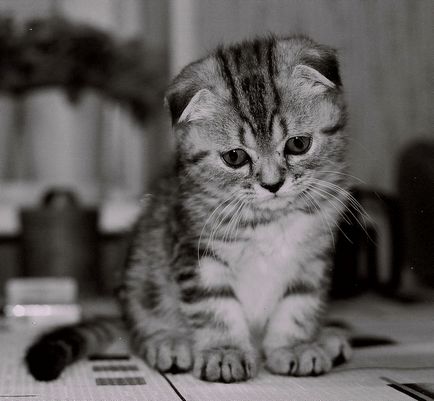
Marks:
<point>230,260</point>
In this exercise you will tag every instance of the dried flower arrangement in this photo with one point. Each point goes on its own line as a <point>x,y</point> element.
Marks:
<point>57,52</point>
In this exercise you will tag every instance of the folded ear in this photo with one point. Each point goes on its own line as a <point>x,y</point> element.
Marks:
<point>178,96</point>
<point>310,76</point>
<point>200,107</point>
<point>189,96</point>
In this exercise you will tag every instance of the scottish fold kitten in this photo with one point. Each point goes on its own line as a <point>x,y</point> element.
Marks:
<point>229,264</point>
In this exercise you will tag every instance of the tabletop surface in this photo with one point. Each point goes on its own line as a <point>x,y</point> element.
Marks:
<point>394,360</point>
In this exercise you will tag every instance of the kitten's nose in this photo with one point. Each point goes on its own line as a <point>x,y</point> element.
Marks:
<point>272,187</point>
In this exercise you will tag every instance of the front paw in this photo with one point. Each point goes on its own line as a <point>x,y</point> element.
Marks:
<point>310,359</point>
<point>225,364</point>
<point>168,353</point>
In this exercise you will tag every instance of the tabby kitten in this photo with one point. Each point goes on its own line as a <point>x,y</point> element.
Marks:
<point>230,260</point>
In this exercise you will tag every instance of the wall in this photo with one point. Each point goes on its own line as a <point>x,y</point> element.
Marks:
<point>93,145</point>
<point>386,50</point>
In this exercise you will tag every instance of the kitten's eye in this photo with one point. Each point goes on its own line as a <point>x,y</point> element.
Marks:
<point>297,145</point>
<point>236,158</point>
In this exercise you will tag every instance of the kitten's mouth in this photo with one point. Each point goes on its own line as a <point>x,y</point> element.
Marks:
<point>273,201</point>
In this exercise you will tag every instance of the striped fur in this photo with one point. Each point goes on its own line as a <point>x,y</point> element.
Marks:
<point>221,269</point>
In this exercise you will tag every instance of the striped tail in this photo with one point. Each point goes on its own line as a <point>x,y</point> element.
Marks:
<point>53,351</point>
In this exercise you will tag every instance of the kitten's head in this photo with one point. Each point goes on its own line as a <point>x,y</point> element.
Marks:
<point>262,120</point>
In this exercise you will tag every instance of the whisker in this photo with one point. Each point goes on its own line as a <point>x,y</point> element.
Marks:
<point>357,204</point>
<point>237,206</point>
<point>219,221</point>
<point>324,193</point>
<point>341,214</point>
<point>344,174</point>
<point>240,215</point>
<point>206,222</point>
<point>209,218</point>
<point>324,220</point>
<point>349,197</point>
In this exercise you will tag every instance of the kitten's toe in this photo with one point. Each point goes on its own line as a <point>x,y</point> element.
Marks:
<point>224,365</point>
<point>310,359</point>
<point>335,344</point>
<point>281,361</point>
<point>301,360</point>
<point>169,354</point>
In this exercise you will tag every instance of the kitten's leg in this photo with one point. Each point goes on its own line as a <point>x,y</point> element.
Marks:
<point>295,345</point>
<point>158,333</point>
<point>222,348</point>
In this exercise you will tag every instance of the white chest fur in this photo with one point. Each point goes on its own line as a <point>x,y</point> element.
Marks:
<point>263,266</point>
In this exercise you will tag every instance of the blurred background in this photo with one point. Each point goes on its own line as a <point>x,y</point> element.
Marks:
<point>100,160</point>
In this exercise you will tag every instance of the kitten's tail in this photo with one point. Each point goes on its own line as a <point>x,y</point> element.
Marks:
<point>53,351</point>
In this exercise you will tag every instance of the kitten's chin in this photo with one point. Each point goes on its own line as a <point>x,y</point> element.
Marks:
<point>273,202</point>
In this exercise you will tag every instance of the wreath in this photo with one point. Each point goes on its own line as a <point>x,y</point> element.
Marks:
<point>57,52</point>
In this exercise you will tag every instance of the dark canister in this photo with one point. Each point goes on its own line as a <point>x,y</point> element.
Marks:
<point>60,238</point>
